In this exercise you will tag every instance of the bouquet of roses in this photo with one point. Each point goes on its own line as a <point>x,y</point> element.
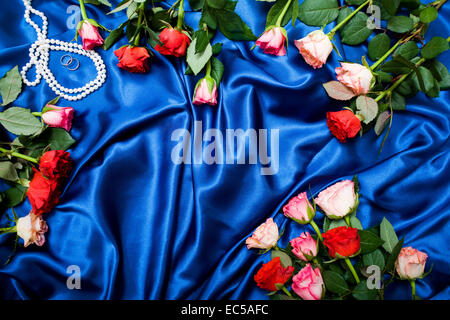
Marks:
<point>35,164</point>
<point>342,262</point>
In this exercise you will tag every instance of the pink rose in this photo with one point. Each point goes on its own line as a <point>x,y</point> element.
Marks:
<point>308,283</point>
<point>355,76</point>
<point>338,200</point>
<point>305,244</point>
<point>58,117</point>
<point>315,48</point>
<point>31,229</point>
<point>90,36</point>
<point>264,237</point>
<point>410,263</point>
<point>297,209</point>
<point>206,92</point>
<point>272,42</point>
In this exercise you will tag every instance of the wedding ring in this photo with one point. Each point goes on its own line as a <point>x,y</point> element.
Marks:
<point>76,67</point>
<point>68,62</point>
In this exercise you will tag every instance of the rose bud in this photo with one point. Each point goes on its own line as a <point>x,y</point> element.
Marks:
<point>272,42</point>
<point>43,193</point>
<point>264,237</point>
<point>58,117</point>
<point>410,263</point>
<point>297,209</point>
<point>205,92</point>
<point>355,76</point>
<point>338,200</point>
<point>31,229</point>
<point>342,242</point>
<point>343,124</point>
<point>273,273</point>
<point>55,164</point>
<point>133,59</point>
<point>304,247</point>
<point>174,42</point>
<point>308,283</point>
<point>315,48</point>
<point>90,36</point>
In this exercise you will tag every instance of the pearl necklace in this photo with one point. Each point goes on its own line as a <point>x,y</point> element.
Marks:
<point>39,57</point>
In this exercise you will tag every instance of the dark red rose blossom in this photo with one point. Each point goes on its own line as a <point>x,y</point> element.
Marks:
<point>343,124</point>
<point>174,42</point>
<point>43,193</point>
<point>55,164</point>
<point>133,59</point>
<point>272,273</point>
<point>342,240</point>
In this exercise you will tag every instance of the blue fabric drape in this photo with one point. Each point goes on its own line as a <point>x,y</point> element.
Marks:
<point>141,227</point>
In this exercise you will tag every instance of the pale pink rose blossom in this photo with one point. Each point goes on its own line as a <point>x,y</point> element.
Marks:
<point>337,200</point>
<point>264,237</point>
<point>272,42</point>
<point>297,208</point>
<point>58,117</point>
<point>315,48</point>
<point>410,263</point>
<point>355,76</point>
<point>308,283</point>
<point>304,244</point>
<point>204,95</point>
<point>90,36</point>
<point>31,229</point>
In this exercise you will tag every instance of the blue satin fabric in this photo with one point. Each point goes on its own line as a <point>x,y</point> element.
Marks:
<point>141,227</point>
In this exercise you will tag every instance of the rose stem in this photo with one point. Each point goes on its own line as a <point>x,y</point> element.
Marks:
<point>281,16</point>
<point>343,22</point>
<point>19,155</point>
<point>180,16</point>
<point>83,10</point>
<point>413,289</point>
<point>141,13</point>
<point>352,270</point>
<point>286,291</point>
<point>316,229</point>
<point>208,68</point>
<point>347,221</point>
<point>8,230</point>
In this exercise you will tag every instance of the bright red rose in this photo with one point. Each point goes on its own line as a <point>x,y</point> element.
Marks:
<point>272,273</point>
<point>133,59</point>
<point>342,240</point>
<point>43,193</point>
<point>343,124</point>
<point>55,164</point>
<point>174,42</point>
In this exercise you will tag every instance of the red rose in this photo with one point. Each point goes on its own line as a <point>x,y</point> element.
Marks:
<point>55,164</point>
<point>133,59</point>
<point>272,273</point>
<point>343,124</point>
<point>174,42</point>
<point>43,193</point>
<point>342,240</point>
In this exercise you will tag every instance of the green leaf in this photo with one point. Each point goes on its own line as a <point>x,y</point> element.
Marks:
<point>381,123</point>
<point>121,6</point>
<point>362,292</point>
<point>391,6</point>
<point>284,258</point>
<point>335,283</point>
<point>232,26</point>
<point>367,107</point>
<point>275,11</point>
<point>98,2</point>
<point>20,121</point>
<point>10,86</point>
<point>59,139</point>
<point>395,67</point>
<point>408,50</point>
<point>202,40</point>
<point>423,79</point>
<point>378,46</point>
<point>113,37</point>
<point>196,4</point>
<point>398,101</point>
<point>337,223</point>
<point>355,31</point>
<point>355,2</point>
<point>440,73</point>
<point>338,91</point>
<point>197,61</point>
<point>354,222</point>
<point>392,258</point>
<point>369,241</point>
<point>434,47</point>
<point>318,12</point>
<point>388,235</point>
<point>217,4</point>
<point>216,48</point>
<point>295,12</point>
<point>428,15</point>
<point>374,258</point>
<point>217,70</point>
<point>8,171</point>
<point>410,4</point>
<point>14,196</point>
<point>400,24</point>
